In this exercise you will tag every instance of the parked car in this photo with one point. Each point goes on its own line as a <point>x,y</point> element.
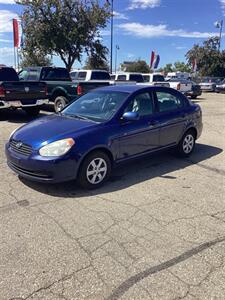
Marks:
<point>129,76</point>
<point>182,85</point>
<point>87,75</point>
<point>209,84</point>
<point>155,79</point>
<point>220,88</point>
<point>178,75</point>
<point>195,90</point>
<point>61,89</point>
<point>101,129</point>
<point>29,96</point>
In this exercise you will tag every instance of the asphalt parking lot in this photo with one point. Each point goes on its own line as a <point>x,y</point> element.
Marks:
<point>156,230</point>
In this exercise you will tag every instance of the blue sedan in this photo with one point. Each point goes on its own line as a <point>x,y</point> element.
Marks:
<point>101,129</point>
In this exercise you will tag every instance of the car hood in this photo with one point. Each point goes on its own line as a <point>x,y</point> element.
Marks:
<point>51,128</point>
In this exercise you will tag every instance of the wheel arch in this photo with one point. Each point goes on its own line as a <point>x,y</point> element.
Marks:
<point>97,148</point>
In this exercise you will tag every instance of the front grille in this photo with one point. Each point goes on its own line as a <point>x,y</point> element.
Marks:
<point>20,147</point>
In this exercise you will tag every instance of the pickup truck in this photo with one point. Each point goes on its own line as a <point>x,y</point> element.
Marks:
<point>87,75</point>
<point>155,79</point>
<point>182,85</point>
<point>61,89</point>
<point>26,95</point>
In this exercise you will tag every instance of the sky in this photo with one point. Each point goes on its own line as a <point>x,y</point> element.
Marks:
<point>169,27</point>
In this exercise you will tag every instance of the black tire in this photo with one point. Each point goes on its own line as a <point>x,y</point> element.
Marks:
<point>85,181</point>
<point>59,103</point>
<point>32,111</point>
<point>187,144</point>
<point>193,97</point>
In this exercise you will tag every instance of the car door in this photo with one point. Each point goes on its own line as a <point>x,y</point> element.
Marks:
<point>172,116</point>
<point>137,137</point>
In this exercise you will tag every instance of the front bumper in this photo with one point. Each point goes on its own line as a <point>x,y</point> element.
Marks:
<point>220,90</point>
<point>208,88</point>
<point>19,104</point>
<point>41,169</point>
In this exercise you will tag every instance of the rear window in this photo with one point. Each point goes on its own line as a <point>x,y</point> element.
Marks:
<point>53,74</point>
<point>121,77</point>
<point>158,78</point>
<point>81,75</point>
<point>100,76</point>
<point>8,74</point>
<point>136,77</point>
<point>146,78</point>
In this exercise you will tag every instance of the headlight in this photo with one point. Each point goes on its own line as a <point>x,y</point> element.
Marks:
<point>57,148</point>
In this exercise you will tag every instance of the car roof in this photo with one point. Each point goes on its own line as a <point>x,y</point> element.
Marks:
<point>127,88</point>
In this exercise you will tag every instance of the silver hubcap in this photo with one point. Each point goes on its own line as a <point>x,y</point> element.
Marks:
<point>188,143</point>
<point>96,170</point>
<point>60,106</point>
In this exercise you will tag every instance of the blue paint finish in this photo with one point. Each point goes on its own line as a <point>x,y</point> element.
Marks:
<point>123,139</point>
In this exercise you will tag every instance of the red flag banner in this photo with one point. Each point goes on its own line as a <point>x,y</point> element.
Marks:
<point>16,33</point>
<point>152,59</point>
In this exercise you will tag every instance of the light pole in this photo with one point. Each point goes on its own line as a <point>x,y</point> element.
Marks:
<point>117,48</point>
<point>111,50</point>
<point>219,24</point>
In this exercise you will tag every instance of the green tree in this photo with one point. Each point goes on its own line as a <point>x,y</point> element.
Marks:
<point>29,58</point>
<point>211,62</point>
<point>182,67</point>
<point>66,28</point>
<point>168,68</point>
<point>97,58</point>
<point>139,66</point>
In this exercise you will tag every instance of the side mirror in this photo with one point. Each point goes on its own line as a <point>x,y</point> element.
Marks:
<point>130,116</point>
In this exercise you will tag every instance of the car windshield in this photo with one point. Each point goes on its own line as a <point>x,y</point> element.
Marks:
<point>96,106</point>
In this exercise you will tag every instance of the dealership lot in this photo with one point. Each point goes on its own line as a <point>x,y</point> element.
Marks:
<point>156,230</point>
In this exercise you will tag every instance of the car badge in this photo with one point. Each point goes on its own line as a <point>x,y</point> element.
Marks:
<point>27,89</point>
<point>19,145</point>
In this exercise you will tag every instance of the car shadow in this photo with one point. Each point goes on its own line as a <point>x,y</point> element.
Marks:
<point>18,116</point>
<point>132,173</point>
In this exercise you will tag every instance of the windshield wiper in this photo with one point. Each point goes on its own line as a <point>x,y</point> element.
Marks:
<point>77,117</point>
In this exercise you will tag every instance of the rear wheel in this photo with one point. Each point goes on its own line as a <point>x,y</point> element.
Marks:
<point>59,103</point>
<point>193,97</point>
<point>32,111</point>
<point>187,144</point>
<point>95,170</point>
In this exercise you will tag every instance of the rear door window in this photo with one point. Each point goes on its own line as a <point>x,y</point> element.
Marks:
<point>158,78</point>
<point>136,77</point>
<point>121,78</point>
<point>54,74</point>
<point>100,76</point>
<point>81,75</point>
<point>168,102</point>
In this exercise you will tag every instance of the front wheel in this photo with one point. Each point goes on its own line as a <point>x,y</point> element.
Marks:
<point>95,170</point>
<point>187,144</point>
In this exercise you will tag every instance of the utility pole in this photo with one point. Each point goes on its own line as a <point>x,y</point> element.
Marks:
<point>111,51</point>
<point>221,30</point>
<point>117,48</point>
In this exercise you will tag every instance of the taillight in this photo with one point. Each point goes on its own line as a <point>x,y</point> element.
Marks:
<point>2,92</point>
<point>79,90</point>
<point>178,86</point>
